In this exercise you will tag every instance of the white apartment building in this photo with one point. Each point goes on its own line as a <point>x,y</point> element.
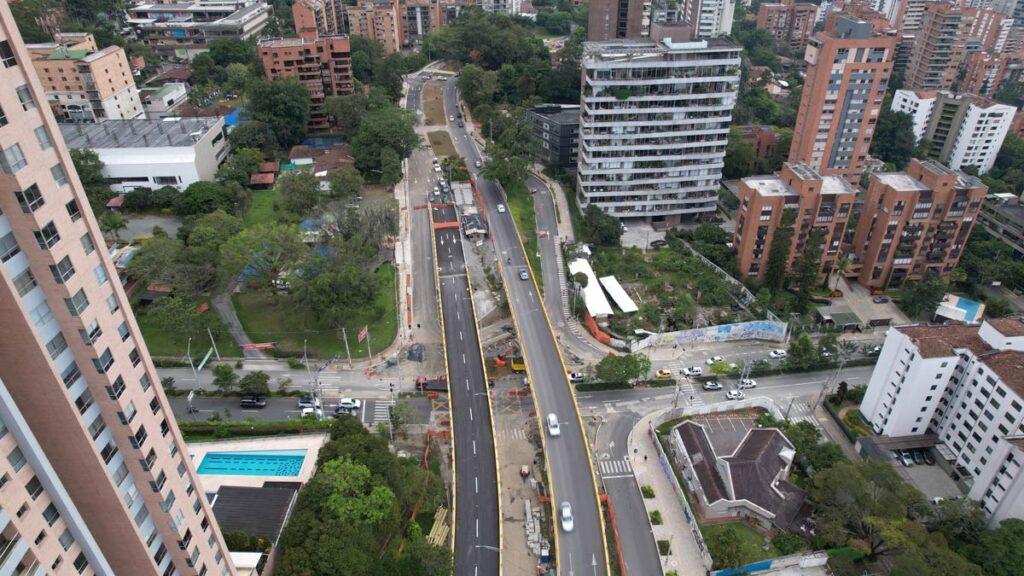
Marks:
<point>965,384</point>
<point>710,18</point>
<point>153,153</point>
<point>654,124</point>
<point>962,129</point>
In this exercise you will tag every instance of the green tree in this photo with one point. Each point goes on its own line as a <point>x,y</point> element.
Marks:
<point>264,252</point>
<point>202,198</point>
<point>386,128</point>
<point>237,77</point>
<point>726,549</point>
<point>740,157</point>
<point>345,182</point>
<point>347,111</point>
<point>224,378</point>
<point>356,497</point>
<point>158,259</point>
<point>227,51</point>
<point>253,134</point>
<point>601,228</point>
<point>206,235</point>
<point>255,384</point>
<point>477,85</point>
<point>622,368</point>
<point>894,139</point>
<point>390,167</point>
<point>999,552</point>
<point>802,353</point>
<point>240,166</point>
<point>281,104</point>
<point>113,223</point>
<point>300,192</point>
<point>90,171</point>
<point>998,308</point>
<point>805,271</point>
<point>960,520</point>
<point>206,71</point>
<point>778,253</point>
<point>920,553</point>
<point>921,298</point>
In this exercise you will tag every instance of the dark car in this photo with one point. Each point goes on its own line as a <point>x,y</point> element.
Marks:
<point>928,458</point>
<point>880,299</point>
<point>252,402</point>
<point>659,243</point>
<point>918,457</point>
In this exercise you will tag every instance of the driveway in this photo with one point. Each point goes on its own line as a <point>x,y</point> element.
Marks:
<point>858,298</point>
<point>141,225</point>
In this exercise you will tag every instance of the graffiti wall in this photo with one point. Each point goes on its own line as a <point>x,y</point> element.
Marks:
<point>756,330</point>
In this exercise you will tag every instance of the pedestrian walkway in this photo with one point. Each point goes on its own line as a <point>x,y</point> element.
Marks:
<point>615,468</point>
<point>685,555</point>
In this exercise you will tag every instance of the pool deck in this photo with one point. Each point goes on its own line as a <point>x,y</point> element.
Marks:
<point>211,482</point>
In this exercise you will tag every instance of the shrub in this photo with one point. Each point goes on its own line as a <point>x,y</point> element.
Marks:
<point>663,547</point>
<point>295,364</point>
<point>656,517</point>
<point>788,543</point>
<point>647,491</point>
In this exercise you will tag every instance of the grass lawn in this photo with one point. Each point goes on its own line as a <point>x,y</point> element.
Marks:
<point>433,104</point>
<point>268,320</point>
<point>520,203</point>
<point>751,541</point>
<point>441,142</point>
<point>163,343</point>
<point>262,209</point>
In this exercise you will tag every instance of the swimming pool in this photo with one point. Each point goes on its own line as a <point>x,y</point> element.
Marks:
<point>253,463</point>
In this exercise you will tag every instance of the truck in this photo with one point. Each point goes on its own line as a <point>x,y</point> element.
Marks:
<point>516,363</point>
<point>439,384</point>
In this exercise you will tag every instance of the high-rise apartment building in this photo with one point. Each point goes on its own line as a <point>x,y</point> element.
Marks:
<point>938,48</point>
<point>84,84</point>
<point>183,29</point>
<point>315,18</point>
<point>654,123</point>
<point>963,384</point>
<point>614,20</point>
<point>983,72</point>
<point>915,222</point>
<point>709,18</point>
<point>323,65</point>
<point>379,20</point>
<point>78,371</point>
<point>791,23</point>
<point>813,202</point>
<point>848,71</point>
<point>961,129</point>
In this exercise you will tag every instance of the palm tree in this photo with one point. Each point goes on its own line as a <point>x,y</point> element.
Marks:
<point>113,223</point>
<point>841,267</point>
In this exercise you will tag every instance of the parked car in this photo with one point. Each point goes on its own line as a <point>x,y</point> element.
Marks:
<point>478,163</point>
<point>350,404</point>
<point>663,374</point>
<point>501,208</point>
<point>880,299</point>
<point>693,371</point>
<point>553,429</point>
<point>747,383</point>
<point>318,413</point>
<point>462,124</point>
<point>712,385</point>
<point>309,402</point>
<point>714,359</point>
<point>918,457</point>
<point>342,411</point>
<point>928,458</point>
<point>566,516</point>
<point>659,243</point>
<point>734,395</point>
<point>253,402</point>
<point>451,118</point>
<point>577,377</point>
<point>905,458</point>
<point>777,353</point>
<point>874,351</point>
<point>524,275</point>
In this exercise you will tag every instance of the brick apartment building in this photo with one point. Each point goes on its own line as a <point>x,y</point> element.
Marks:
<point>614,19</point>
<point>323,65</point>
<point>96,477</point>
<point>816,201</point>
<point>379,20</point>
<point>791,23</point>
<point>316,18</point>
<point>938,48</point>
<point>83,83</point>
<point>848,71</point>
<point>914,222</point>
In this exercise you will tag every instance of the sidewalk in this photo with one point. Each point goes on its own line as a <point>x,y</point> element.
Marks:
<point>685,556</point>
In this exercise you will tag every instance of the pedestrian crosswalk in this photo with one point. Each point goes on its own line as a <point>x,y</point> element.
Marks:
<point>511,434</point>
<point>615,467</point>
<point>687,388</point>
<point>381,412</point>
<point>801,412</point>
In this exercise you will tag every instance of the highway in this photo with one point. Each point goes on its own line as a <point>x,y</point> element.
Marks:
<point>581,551</point>
<point>477,535</point>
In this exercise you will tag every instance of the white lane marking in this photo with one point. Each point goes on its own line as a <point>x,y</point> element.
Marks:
<point>463,357</point>
<point>467,383</point>
<point>470,413</point>
<point>476,484</point>
<point>474,447</point>
<point>460,335</point>
<point>477,527</point>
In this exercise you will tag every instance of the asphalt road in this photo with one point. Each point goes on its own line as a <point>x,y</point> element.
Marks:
<point>581,551</point>
<point>477,542</point>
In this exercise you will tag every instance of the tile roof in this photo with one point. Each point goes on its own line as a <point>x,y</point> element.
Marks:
<point>940,340</point>
<point>702,455</point>
<point>1008,326</point>
<point>1009,366</point>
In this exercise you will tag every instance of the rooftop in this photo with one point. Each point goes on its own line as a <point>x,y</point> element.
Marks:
<point>836,185</point>
<point>1008,326</point>
<point>934,340</point>
<point>619,49</point>
<point>562,114</point>
<point>769,185</point>
<point>1009,366</point>
<point>901,181</point>
<point>255,511</point>
<point>67,54</point>
<point>139,133</point>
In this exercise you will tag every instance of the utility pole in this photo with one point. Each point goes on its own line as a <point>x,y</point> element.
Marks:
<point>214,344</point>
<point>828,384</point>
<point>344,337</point>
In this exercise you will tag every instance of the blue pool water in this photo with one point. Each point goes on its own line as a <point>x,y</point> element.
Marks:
<point>254,463</point>
<point>970,307</point>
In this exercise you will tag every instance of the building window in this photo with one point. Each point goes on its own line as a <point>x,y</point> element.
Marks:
<point>104,362</point>
<point>71,374</point>
<point>74,211</point>
<point>77,303</point>
<point>120,474</point>
<point>144,381</point>
<point>44,138</point>
<point>66,539</point>
<point>7,478</point>
<point>139,438</point>
<point>91,333</point>
<point>16,459</point>
<point>134,357</point>
<point>30,199</point>
<point>8,247</point>
<point>7,55</point>
<point>97,427</point>
<point>101,274</point>
<point>87,244</point>
<point>51,515</point>
<point>123,331</point>
<point>3,118</point>
<point>47,237</point>
<point>116,390</point>
<point>81,563</point>
<point>26,97</point>
<point>84,401</point>
<point>56,345</point>
<point>112,304</point>
<point>25,282</point>
<point>13,160</point>
<point>108,452</point>
<point>59,176</point>
<point>63,270</point>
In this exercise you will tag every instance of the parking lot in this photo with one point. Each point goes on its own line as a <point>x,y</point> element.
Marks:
<point>726,430</point>
<point>933,481</point>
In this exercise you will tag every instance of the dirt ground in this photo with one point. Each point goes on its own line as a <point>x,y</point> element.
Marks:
<point>433,104</point>
<point>441,142</point>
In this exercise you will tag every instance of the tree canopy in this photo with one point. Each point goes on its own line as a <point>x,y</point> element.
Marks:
<point>622,368</point>
<point>383,129</point>
<point>894,140</point>
<point>281,104</point>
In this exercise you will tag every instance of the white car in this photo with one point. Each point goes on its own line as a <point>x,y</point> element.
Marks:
<point>309,402</point>
<point>350,404</point>
<point>693,371</point>
<point>451,118</point>
<point>501,208</point>
<point>777,353</point>
<point>747,383</point>
<point>714,359</point>
<point>437,168</point>
<point>577,377</point>
<point>318,413</point>
<point>478,163</point>
<point>734,395</point>
<point>553,429</point>
<point>566,516</point>
<point>712,385</point>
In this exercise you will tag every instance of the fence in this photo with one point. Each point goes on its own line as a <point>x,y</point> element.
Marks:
<point>755,330</point>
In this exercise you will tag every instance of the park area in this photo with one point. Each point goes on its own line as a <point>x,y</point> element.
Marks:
<point>433,104</point>
<point>168,324</point>
<point>441,143</point>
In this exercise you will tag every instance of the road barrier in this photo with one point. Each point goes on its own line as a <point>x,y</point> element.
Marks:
<point>755,330</point>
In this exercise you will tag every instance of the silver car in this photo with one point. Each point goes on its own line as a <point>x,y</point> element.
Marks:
<point>566,516</point>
